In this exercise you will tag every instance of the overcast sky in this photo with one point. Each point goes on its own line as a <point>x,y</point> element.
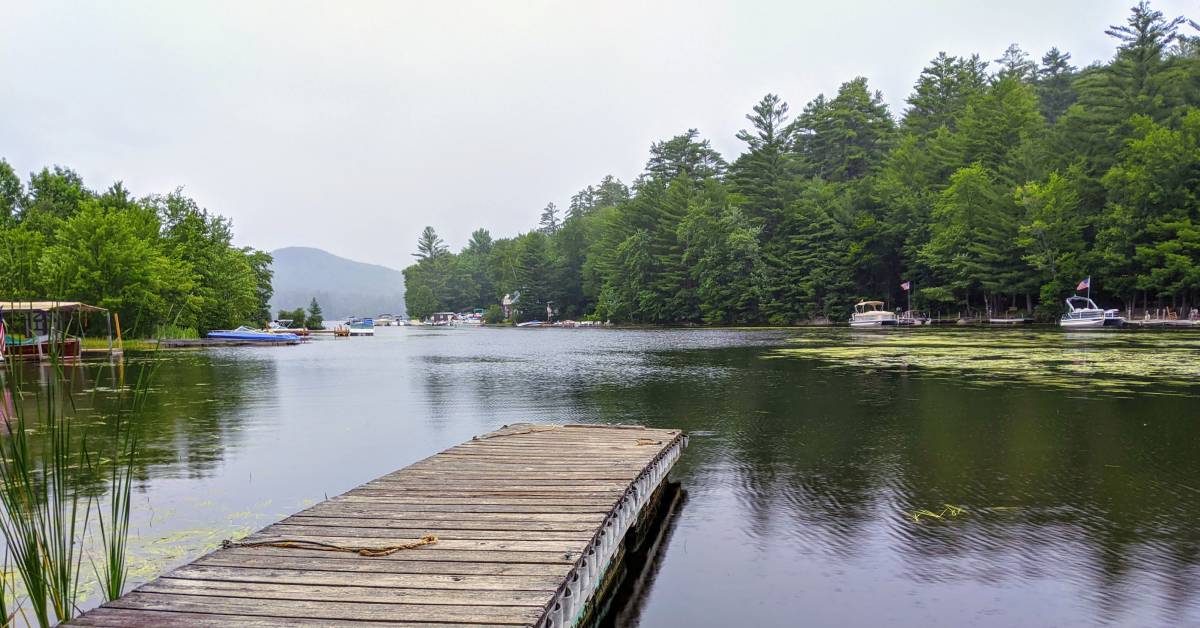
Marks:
<point>349,126</point>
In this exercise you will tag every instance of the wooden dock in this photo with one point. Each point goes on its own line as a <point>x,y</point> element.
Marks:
<point>529,521</point>
<point>196,343</point>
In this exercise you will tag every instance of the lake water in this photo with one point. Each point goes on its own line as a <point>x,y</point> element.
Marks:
<point>1065,467</point>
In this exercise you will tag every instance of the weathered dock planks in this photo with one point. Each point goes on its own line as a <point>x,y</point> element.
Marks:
<point>528,521</point>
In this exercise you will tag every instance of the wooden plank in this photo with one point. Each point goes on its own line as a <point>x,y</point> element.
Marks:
<point>386,503</point>
<point>363,589</point>
<point>488,472</point>
<point>124,618</point>
<point>290,529</point>
<point>468,556</point>
<point>437,582</point>
<point>511,500</point>
<point>528,525</point>
<point>500,489</point>
<point>395,510</point>
<point>513,511</point>
<point>361,565</point>
<point>441,546</point>
<point>493,615</point>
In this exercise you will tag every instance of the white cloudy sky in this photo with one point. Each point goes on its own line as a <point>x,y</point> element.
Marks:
<point>351,125</point>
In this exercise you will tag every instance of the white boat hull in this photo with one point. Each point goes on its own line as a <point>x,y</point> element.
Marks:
<point>362,332</point>
<point>1088,317</point>
<point>1091,323</point>
<point>874,323</point>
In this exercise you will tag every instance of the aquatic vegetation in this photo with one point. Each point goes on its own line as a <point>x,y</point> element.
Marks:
<point>8,606</point>
<point>114,528</point>
<point>949,511</point>
<point>1115,363</point>
<point>174,331</point>
<point>45,508</point>
<point>48,473</point>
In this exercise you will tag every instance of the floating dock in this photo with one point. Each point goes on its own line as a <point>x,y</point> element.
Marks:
<point>522,526</point>
<point>195,343</point>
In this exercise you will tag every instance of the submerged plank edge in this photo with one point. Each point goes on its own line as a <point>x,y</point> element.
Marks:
<point>529,518</point>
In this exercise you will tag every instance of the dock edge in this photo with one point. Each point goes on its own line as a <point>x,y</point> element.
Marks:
<point>570,600</point>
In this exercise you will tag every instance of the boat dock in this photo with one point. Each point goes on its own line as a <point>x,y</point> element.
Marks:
<point>194,343</point>
<point>522,526</point>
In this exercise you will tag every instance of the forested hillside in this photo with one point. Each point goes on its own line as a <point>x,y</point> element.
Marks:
<point>343,287</point>
<point>1002,184</point>
<point>154,260</point>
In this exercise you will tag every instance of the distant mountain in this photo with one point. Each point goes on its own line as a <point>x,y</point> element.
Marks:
<point>343,287</point>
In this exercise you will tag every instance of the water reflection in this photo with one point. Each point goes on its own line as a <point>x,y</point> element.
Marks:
<point>1076,462</point>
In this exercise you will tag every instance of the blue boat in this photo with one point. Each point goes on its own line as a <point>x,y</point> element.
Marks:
<point>245,333</point>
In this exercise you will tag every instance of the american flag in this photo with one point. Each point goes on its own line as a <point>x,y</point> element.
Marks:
<point>906,286</point>
<point>1085,284</point>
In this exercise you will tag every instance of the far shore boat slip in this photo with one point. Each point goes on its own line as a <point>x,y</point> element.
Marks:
<point>516,527</point>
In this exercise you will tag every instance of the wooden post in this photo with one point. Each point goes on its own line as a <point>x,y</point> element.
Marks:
<point>120,343</point>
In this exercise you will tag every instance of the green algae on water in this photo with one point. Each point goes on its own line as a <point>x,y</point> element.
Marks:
<point>1108,362</point>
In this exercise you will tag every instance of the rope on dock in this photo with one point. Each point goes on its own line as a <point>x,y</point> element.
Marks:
<point>428,539</point>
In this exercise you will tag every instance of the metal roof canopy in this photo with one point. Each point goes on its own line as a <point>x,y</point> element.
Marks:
<point>49,306</point>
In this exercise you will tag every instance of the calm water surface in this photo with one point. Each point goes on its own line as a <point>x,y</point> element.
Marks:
<point>1075,459</point>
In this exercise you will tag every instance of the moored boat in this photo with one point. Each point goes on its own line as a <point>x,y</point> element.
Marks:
<point>872,314</point>
<point>283,326</point>
<point>442,319</point>
<point>1083,313</point>
<point>361,326</point>
<point>254,335</point>
<point>40,346</point>
<point>913,317</point>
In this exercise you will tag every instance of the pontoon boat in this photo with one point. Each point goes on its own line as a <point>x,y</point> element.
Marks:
<point>1082,313</point>
<point>871,314</point>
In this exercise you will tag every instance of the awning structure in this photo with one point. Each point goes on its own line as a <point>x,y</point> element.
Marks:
<point>49,306</point>
<point>47,326</point>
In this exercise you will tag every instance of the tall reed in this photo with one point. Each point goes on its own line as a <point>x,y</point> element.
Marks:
<point>113,571</point>
<point>42,492</point>
<point>7,613</point>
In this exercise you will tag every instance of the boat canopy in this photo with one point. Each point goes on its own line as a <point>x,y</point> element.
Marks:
<point>1086,302</point>
<point>49,306</point>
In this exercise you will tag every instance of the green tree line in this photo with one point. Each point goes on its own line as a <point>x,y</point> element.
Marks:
<point>1002,184</point>
<point>154,260</point>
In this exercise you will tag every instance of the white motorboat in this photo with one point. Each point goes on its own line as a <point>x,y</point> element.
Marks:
<point>913,317</point>
<point>1082,313</point>
<point>361,326</point>
<point>872,314</point>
